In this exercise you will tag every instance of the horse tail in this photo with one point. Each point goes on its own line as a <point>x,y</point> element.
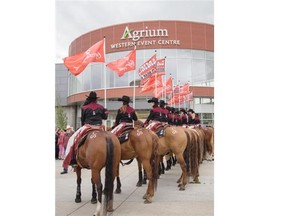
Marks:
<point>194,156</point>
<point>212,142</point>
<point>187,152</point>
<point>205,143</point>
<point>108,188</point>
<point>155,159</point>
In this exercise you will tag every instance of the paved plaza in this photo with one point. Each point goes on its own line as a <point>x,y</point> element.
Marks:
<point>196,200</point>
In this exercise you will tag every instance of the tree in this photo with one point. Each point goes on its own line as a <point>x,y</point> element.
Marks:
<point>61,118</point>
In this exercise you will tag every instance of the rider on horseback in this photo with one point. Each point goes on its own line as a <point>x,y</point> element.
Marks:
<point>92,114</point>
<point>184,117</point>
<point>157,114</point>
<point>171,115</point>
<point>164,111</point>
<point>125,116</point>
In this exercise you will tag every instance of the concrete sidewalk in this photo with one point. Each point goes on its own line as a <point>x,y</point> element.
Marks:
<point>196,200</point>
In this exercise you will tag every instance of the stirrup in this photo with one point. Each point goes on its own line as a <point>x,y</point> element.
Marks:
<point>73,162</point>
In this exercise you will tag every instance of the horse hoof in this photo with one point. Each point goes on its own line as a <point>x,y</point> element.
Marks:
<point>118,191</point>
<point>182,188</point>
<point>110,210</point>
<point>93,200</point>
<point>144,196</point>
<point>77,200</point>
<point>139,184</point>
<point>148,200</point>
<point>144,182</point>
<point>196,182</point>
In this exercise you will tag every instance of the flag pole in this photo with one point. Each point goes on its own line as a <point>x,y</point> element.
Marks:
<point>173,104</point>
<point>134,88</point>
<point>105,93</point>
<point>156,75</point>
<point>164,95</point>
<point>187,102</point>
<point>179,96</point>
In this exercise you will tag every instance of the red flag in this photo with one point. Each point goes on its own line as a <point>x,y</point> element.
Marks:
<point>181,90</point>
<point>176,99</point>
<point>176,90</point>
<point>188,97</point>
<point>152,83</point>
<point>77,63</point>
<point>125,64</point>
<point>184,89</point>
<point>160,66</point>
<point>167,87</point>
<point>147,69</point>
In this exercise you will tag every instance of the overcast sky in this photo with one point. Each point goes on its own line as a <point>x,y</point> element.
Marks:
<point>74,18</point>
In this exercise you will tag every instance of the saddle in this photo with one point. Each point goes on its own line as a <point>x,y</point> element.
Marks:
<point>81,137</point>
<point>159,128</point>
<point>80,140</point>
<point>123,133</point>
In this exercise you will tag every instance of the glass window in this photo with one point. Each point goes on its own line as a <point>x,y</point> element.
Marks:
<point>209,70</point>
<point>171,68</point>
<point>97,76</point>
<point>206,115</point>
<point>209,55</point>
<point>196,100</point>
<point>184,73</point>
<point>196,66</point>
<point>184,53</point>
<point>198,54</point>
<point>198,71</point>
<point>169,53</point>
<point>206,100</point>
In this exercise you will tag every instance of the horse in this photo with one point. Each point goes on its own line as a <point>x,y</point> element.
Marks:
<point>202,143</point>
<point>195,155</point>
<point>206,142</point>
<point>96,150</point>
<point>209,142</point>
<point>144,147</point>
<point>177,141</point>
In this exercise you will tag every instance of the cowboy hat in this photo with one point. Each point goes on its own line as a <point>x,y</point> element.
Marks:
<point>162,102</point>
<point>125,99</point>
<point>155,100</point>
<point>191,110</point>
<point>68,127</point>
<point>183,110</point>
<point>92,95</point>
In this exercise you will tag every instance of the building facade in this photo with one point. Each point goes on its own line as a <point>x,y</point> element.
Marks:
<point>188,49</point>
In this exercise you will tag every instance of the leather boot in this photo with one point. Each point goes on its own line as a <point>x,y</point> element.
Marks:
<point>65,170</point>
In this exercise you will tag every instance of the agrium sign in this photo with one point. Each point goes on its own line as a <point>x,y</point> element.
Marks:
<point>144,37</point>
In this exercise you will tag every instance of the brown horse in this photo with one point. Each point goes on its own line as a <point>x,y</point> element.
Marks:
<point>202,143</point>
<point>206,142</point>
<point>143,146</point>
<point>209,142</point>
<point>195,155</point>
<point>99,149</point>
<point>177,140</point>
